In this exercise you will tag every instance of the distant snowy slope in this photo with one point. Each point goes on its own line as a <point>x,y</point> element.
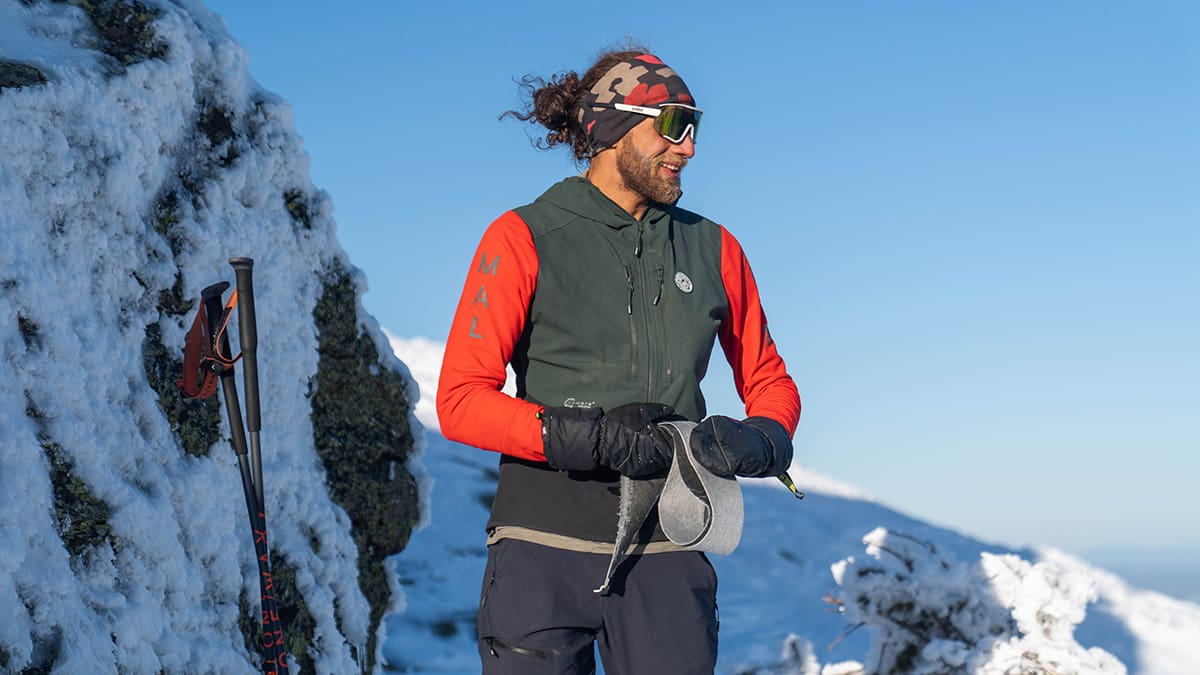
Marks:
<point>424,360</point>
<point>775,585</point>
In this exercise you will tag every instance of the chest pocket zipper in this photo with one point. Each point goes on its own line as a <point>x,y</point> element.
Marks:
<point>659,273</point>
<point>632,327</point>
<point>629,287</point>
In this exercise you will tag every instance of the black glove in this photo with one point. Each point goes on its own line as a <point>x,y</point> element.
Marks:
<point>625,439</point>
<point>756,446</point>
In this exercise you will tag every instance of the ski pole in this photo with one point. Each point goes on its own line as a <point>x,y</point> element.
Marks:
<point>243,268</point>
<point>274,654</point>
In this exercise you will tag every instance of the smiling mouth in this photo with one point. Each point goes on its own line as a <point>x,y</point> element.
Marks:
<point>672,169</point>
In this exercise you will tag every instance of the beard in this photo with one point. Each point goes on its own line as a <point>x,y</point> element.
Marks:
<point>639,173</point>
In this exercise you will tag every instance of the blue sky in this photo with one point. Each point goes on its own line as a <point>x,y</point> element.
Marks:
<point>976,226</point>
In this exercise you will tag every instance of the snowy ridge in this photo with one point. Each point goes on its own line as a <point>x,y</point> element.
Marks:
<point>90,248</point>
<point>779,594</point>
<point>1165,627</point>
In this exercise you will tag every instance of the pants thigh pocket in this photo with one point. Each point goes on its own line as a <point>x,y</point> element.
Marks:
<point>573,655</point>
<point>526,626</point>
<point>483,622</point>
<point>490,626</point>
<point>500,649</point>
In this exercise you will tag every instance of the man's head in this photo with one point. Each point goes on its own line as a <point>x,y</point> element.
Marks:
<point>627,91</point>
<point>640,120</point>
<point>623,88</point>
<point>630,114</point>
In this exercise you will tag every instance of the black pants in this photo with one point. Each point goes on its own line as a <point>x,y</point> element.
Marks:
<point>538,612</point>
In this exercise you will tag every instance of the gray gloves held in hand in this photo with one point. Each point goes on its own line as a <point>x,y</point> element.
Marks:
<point>756,446</point>
<point>625,439</point>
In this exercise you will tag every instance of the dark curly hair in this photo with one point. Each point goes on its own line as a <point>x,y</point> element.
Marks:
<point>555,104</point>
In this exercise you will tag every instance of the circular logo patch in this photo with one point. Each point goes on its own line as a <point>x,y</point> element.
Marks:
<point>683,282</point>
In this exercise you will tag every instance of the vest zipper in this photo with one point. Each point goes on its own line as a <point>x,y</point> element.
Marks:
<point>651,333</point>
<point>666,342</point>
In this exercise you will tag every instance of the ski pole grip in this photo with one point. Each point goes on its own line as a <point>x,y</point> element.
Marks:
<point>214,306</point>
<point>243,268</point>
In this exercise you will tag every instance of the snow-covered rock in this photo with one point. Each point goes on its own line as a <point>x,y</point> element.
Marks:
<point>136,156</point>
<point>997,615</point>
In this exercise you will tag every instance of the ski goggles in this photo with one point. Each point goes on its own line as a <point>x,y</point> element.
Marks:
<point>672,121</point>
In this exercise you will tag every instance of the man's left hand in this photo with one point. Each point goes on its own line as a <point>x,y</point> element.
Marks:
<point>755,446</point>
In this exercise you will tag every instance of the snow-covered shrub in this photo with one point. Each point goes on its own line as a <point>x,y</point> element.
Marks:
<point>998,615</point>
<point>799,658</point>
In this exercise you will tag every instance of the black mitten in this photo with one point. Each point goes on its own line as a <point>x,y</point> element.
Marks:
<point>625,439</point>
<point>756,446</point>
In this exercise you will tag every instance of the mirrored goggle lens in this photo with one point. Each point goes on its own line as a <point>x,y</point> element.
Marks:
<point>675,122</point>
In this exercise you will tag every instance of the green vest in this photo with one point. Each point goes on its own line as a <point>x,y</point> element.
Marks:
<point>624,311</point>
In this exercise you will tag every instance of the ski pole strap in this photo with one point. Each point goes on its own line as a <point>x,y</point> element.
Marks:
<point>220,359</point>
<point>202,361</point>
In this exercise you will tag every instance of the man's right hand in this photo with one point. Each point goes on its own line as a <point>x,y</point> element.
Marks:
<point>625,439</point>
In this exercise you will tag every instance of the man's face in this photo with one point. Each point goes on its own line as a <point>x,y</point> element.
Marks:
<point>650,165</point>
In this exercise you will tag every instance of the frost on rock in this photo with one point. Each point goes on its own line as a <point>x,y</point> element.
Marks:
<point>998,615</point>
<point>139,155</point>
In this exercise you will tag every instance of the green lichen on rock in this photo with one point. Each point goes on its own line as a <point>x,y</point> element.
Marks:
<point>297,620</point>
<point>29,331</point>
<point>47,649</point>
<point>81,517</point>
<point>171,301</point>
<point>124,29</point>
<point>216,124</point>
<point>16,75</point>
<point>196,422</point>
<point>297,207</point>
<point>166,220</point>
<point>360,425</point>
<point>293,612</point>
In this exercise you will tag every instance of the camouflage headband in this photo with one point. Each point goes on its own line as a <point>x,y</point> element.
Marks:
<point>640,80</point>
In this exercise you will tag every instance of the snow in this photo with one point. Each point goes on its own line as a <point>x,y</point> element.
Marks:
<point>997,614</point>
<point>87,156</point>
<point>423,356</point>
<point>48,36</point>
<point>779,595</point>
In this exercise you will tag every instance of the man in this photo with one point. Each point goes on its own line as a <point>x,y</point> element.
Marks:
<point>606,298</point>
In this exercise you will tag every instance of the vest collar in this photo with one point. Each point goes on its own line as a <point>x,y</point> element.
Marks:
<point>578,195</point>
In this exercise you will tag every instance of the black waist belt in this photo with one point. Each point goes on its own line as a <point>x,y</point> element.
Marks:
<point>575,504</point>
